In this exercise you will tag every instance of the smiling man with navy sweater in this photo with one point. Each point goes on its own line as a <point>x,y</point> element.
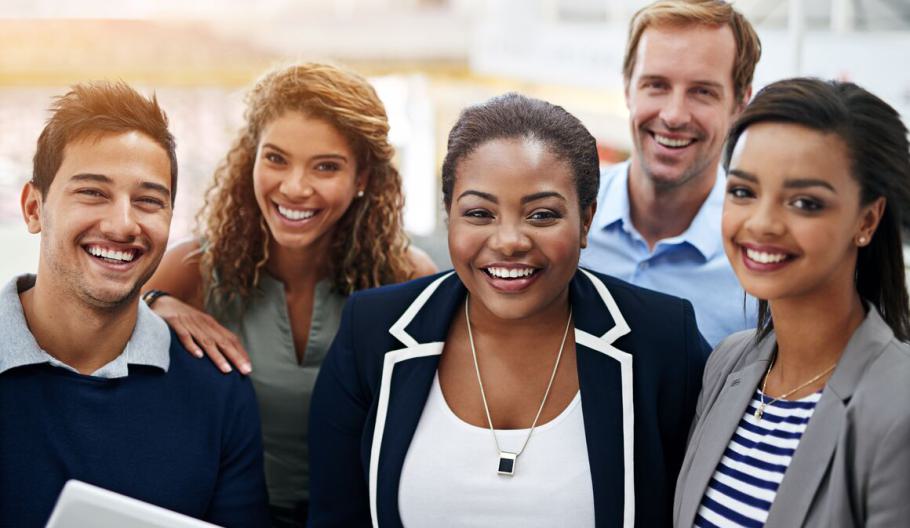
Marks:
<point>93,385</point>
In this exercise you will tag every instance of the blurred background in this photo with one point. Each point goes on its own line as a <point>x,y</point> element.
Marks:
<point>427,58</point>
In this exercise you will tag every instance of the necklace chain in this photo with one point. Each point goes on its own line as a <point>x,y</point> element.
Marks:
<point>483,395</point>
<point>761,407</point>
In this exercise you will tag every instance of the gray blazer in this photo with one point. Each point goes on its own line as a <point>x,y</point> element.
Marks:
<point>852,466</point>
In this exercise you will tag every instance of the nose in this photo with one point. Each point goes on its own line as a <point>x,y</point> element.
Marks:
<point>765,220</point>
<point>120,223</point>
<point>296,185</point>
<point>675,111</point>
<point>509,239</point>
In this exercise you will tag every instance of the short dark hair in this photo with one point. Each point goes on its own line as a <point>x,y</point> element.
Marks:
<point>877,146</point>
<point>514,115</point>
<point>97,108</point>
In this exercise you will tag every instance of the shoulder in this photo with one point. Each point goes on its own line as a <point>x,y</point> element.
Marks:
<point>884,387</point>
<point>203,380</point>
<point>421,262</point>
<point>730,354</point>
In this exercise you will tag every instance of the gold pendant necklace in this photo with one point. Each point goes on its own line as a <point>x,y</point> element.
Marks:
<point>760,411</point>
<point>508,459</point>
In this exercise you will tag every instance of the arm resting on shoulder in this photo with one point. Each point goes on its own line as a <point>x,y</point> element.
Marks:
<point>183,309</point>
<point>339,496</point>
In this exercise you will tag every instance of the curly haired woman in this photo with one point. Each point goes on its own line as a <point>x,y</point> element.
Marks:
<point>305,209</point>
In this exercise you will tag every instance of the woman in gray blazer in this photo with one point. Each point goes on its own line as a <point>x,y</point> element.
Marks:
<point>805,421</point>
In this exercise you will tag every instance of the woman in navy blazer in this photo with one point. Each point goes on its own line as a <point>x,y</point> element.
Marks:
<point>519,182</point>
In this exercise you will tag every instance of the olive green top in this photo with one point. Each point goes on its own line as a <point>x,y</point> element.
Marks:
<point>284,386</point>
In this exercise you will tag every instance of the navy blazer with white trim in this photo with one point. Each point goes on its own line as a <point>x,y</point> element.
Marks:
<point>640,359</point>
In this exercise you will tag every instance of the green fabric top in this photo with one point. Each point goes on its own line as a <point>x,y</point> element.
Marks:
<point>284,386</point>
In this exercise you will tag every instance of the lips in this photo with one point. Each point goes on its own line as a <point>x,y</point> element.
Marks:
<point>510,277</point>
<point>672,142</point>
<point>765,258</point>
<point>113,256</point>
<point>295,215</point>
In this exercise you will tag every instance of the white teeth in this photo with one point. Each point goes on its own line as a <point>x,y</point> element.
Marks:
<point>510,273</point>
<point>123,256</point>
<point>670,142</point>
<point>765,258</point>
<point>293,214</point>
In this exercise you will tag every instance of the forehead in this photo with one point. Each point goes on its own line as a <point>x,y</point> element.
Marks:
<point>127,158</point>
<point>772,151</point>
<point>687,53</point>
<point>514,166</point>
<point>299,133</point>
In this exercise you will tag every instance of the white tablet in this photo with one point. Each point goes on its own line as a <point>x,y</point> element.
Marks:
<point>82,505</point>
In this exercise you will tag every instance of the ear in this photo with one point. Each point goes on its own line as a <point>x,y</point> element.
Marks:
<point>362,179</point>
<point>587,216</point>
<point>742,103</point>
<point>870,216</point>
<point>31,202</point>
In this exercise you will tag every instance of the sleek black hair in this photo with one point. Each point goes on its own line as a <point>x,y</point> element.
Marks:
<point>514,115</point>
<point>877,146</point>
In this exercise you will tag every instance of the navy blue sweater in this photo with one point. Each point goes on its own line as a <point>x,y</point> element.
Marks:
<point>187,440</point>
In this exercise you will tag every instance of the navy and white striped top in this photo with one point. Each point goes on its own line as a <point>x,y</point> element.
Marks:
<point>745,482</point>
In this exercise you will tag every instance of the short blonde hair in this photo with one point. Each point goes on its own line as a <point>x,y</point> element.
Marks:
<point>714,13</point>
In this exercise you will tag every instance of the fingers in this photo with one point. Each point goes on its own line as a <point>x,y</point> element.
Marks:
<point>186,338</point>
<point>233,350</point>
<point>201,334</point>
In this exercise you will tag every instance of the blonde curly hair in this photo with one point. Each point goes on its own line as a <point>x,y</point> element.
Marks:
<point>369,247</point>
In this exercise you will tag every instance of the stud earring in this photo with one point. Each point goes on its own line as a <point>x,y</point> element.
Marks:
<point>861,241</point>
<point>360,193</point>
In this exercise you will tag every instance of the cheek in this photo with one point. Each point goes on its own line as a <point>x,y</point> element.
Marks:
<point>464,245</point>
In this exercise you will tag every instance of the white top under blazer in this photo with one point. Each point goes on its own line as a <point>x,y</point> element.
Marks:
<point>449,475</point>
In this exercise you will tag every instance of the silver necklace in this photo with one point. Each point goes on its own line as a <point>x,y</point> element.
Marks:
<point>507,459</point>
<point>761,406</point>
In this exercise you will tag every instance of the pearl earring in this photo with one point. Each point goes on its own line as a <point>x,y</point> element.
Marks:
<point>861,241</point>
<point>360,193</point>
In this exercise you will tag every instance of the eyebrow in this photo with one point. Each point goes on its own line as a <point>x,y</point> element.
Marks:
<point>541,195</point>
<point>710,84</point>
<point>331,155</point>
<point>524,200</point>
<point>101,178</point>
<point>790,183</point>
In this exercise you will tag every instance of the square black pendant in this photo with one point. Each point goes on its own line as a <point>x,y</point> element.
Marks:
<point>507,463</point>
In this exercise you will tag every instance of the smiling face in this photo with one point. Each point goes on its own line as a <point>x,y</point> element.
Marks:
<point>792,217</point>
<point>305,178</point>
<point>104,221</point>
<point>681,102</point>
<point>515,228</point>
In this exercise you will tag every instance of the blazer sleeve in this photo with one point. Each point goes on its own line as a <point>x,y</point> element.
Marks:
<point>339,407</point>
<point>240,498</point>
<point>888,495</point>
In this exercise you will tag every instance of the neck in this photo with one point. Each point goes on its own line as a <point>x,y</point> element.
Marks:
<point>659,212</point>
<point>811,336</point>
<point>84,337</point>
<point>299,267</point>
<point>520,336</point>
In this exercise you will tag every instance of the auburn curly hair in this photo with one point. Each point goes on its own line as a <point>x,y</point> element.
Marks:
<point>369,247</point>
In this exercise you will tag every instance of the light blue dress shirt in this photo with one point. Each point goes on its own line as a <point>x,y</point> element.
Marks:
<point>692,265</point>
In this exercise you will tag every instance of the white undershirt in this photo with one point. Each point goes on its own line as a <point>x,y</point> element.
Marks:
<point>449,475</point>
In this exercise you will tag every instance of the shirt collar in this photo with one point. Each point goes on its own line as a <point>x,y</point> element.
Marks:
<point>148,345</point>
<point>703,233</point>
<point>613,202</point>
